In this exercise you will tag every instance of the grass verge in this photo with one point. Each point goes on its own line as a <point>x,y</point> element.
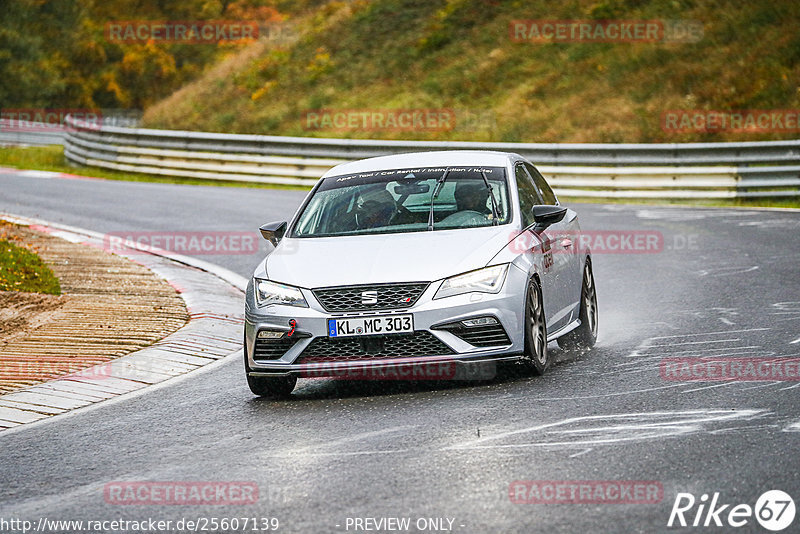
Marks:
<point>21,269</point>
<point>51,158</point>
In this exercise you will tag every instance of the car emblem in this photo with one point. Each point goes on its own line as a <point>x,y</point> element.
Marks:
<point>369,297</point>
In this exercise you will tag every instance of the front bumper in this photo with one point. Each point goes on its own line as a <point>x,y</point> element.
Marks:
<point>309,352</point>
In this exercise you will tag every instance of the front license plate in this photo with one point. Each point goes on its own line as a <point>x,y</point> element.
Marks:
<point>369,326</point>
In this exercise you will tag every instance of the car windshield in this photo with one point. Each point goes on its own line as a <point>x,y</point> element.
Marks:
<point>402,200</point>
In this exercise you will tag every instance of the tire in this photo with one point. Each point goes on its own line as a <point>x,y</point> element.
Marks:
<point>535,359</point>
<point>278,387</point>
<point>585,336</point>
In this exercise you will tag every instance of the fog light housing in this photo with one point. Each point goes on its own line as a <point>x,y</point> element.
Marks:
<point>479,321</point>
<point>270,334</point>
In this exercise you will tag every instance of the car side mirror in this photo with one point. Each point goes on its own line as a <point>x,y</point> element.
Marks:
<point>273,232</point>
<point>544,216</point>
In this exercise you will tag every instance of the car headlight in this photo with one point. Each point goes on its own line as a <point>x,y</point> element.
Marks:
<point>268,293</point>
<point>487,280</point>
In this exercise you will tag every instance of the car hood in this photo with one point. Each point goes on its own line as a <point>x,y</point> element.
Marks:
<point>383,258</point>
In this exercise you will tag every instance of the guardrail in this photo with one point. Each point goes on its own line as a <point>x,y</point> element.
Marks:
<point>31,138</point>
<point>676,170</point>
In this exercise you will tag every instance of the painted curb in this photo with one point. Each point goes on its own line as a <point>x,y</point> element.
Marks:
<point>213,297</point>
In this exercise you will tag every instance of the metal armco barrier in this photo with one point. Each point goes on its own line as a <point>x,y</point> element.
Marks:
<point>677,170</point>
<point>32,138</point>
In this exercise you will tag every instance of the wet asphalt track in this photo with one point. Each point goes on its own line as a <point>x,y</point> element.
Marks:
<point>726,284</point>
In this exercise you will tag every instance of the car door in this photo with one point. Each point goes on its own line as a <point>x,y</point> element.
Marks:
<point>553,295</point>
<point>566,254</point>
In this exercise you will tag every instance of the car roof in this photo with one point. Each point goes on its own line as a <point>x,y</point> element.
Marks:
<point>471,158</point>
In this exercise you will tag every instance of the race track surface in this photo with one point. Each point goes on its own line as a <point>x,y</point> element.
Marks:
<point>725,284</point>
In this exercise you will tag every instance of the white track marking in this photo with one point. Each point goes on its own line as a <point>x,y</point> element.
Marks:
<point>662,344</point>
<point>711,333</point>
<point>765,385</point>
<point>726,349</point>
<point>787,308</point>
<point>738,429</point>
<point>738,351</point>
<point>772,223</point>
<point>39,174</point>
<point>291,454</point>
<point>726,271</point>
<point>617,428</point>
<point>603,395</point>
<point>707,387</point>
<point>792,427</point>
<point>694,343</point>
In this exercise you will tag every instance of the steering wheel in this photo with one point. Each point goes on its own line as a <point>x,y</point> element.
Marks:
<point>369,224</point>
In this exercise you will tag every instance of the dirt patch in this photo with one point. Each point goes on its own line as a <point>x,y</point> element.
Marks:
<point>109,307</point>
<point>23,312</point>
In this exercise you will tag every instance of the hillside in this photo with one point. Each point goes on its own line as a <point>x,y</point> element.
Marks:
<point>458,54</point>
<point>57,54</point>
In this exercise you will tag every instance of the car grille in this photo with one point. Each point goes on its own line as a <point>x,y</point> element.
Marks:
<point>351,298</point>
<point>479,336</point>
<point>272,349</point>
<point>327,349</point>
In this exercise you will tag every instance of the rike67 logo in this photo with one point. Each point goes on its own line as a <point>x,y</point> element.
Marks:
<point>774,510</point>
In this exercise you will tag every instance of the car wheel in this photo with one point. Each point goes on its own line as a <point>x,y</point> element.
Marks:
<point>535,358</point>
<point>584,337</point>
<point>274,387</point>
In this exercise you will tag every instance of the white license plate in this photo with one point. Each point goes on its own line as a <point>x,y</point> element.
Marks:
<point>370,326</point>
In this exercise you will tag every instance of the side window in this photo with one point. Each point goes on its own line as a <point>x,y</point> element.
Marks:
<point>528,197</point>
<point>547,194</point>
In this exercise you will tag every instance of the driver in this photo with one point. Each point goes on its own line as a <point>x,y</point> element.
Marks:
<point>377,209</point>
<point>472,196</point>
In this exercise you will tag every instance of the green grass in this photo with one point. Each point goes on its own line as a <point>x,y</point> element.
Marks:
<point>22,270</point>
<point>51,158</point>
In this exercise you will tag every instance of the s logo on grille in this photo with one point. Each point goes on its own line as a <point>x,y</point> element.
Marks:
<point>369,297</point>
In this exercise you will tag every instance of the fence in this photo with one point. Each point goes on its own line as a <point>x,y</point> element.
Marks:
<point>31,138</point>
<point>675,170</point>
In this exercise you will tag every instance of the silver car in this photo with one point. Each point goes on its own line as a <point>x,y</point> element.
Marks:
<point>423,259</point>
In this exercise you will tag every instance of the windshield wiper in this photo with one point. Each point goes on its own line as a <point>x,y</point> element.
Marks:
<point>495,220</point>
<point>439,184</point>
